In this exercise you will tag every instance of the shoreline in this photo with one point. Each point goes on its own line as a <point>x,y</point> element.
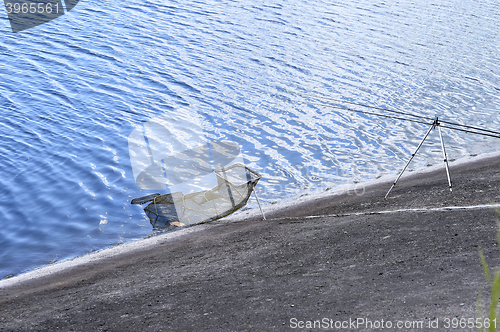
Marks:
<point>150,241</point>
<point>343,189</point>
<point>412,256</point>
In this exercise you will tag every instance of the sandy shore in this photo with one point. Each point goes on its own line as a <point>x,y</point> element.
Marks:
<point>338,256</point>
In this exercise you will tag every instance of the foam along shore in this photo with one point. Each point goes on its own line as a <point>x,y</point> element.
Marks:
<point>382,184</point>
<point>338,255</point>
<point>283,210</point>
<point>88,259</point>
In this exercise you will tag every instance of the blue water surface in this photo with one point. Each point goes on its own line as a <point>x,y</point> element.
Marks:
<point>72,90</point>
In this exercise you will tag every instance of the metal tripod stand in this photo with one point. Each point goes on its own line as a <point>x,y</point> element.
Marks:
<point>434,125</point>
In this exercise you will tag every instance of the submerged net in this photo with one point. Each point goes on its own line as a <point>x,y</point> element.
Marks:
<point>235,184</point>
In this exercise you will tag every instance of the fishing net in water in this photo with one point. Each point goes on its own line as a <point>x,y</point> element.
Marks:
<point>235,184</point>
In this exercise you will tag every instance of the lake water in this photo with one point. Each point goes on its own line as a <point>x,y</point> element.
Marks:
<point>74,89</point>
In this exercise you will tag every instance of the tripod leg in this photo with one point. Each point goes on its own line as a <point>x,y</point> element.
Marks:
<point>444,155</point>
<point>413,155</point>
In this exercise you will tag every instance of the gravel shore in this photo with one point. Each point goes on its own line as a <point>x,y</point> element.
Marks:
<point>329,259</point>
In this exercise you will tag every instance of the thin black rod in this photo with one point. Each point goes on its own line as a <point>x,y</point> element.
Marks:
<point>496,135</point>
<point>471,127</point>
<point>402,113</point>
<point>365,112</point>
<point>363,105</point>
<point>471,131</point>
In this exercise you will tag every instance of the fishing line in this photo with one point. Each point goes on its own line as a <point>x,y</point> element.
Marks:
<point>469,131</point>
<point>435,123</point>
<point>461,127</point>
<point>471,127</point>
<point>360,111</point>
<point>362,105</point>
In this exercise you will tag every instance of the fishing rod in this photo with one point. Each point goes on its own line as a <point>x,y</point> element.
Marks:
<point>436,123</point>
<point>363,105</point>
<point>477,130</point>
<point>368,113</point>
<point>473,130</point>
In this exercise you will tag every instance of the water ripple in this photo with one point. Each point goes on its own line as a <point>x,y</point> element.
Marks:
<point>73,90</point>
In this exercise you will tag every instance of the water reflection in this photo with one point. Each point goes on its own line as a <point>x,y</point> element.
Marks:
<point>235,184</point>
<point>203,183</point>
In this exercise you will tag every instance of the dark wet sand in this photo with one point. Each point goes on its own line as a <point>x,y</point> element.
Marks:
<point>255,275</point>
